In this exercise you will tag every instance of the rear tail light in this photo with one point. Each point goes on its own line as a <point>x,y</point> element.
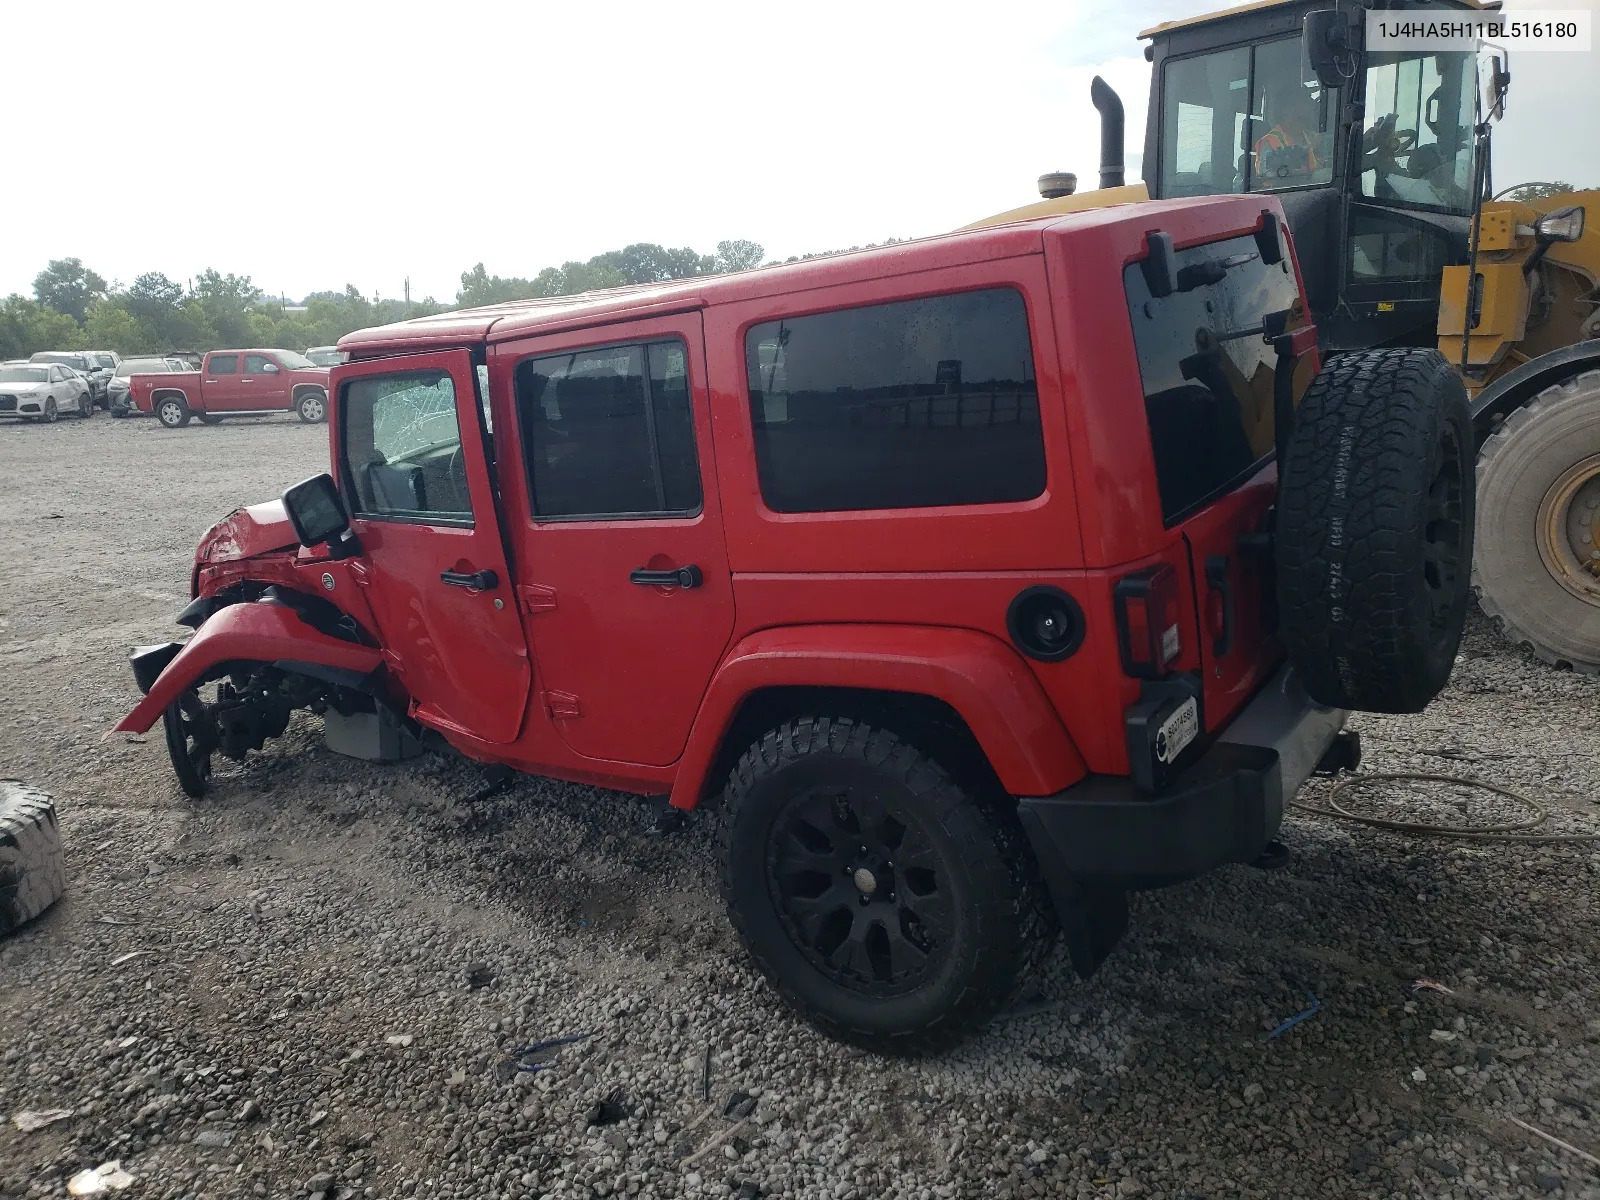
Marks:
<point>1146,607</point>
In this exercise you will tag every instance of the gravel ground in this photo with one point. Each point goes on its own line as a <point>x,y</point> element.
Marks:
<point>315,980</point>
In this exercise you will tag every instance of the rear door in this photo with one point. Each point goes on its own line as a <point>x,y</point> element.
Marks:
<point>1209,375</point>
<point>409,444</point>
<point>219,384</point>
<point>263,383</point>
<point>621,550</point>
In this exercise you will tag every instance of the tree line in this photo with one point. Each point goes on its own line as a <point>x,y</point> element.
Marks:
<point>74,307</point>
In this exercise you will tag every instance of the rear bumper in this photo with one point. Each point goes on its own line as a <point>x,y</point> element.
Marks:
<point>1103,834</point>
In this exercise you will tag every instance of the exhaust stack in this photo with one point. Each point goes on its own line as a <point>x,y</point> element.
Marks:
<point>1110,105</point>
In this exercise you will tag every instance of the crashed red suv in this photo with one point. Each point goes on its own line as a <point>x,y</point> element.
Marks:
<point>961,571</point>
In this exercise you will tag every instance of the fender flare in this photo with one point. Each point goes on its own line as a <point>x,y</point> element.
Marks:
<point>254,633</point>
<point>1515,388</point>
<point>155,393</point>
<point>979,676</point>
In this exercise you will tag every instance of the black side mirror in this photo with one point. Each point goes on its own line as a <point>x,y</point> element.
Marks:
<point>1329,42</point>
<point>316,510</point>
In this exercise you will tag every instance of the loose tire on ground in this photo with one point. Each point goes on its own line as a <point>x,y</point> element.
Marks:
<point>1539,489</point>
<point>173,411</point>
<point>886,904</point>
<point>209,419</point>
<point>1374,533</point>
<point>312,407</point>
<point>32,872</point>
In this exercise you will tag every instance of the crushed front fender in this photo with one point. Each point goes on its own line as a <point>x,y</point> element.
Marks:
<point>263,632</point>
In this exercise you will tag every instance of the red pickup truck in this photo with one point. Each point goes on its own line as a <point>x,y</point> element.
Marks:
<point>233,383</point>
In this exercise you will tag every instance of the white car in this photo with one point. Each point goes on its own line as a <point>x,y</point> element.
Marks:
<point>43,391</point>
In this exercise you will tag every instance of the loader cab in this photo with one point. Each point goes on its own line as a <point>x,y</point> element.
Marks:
<point>1374,162</point>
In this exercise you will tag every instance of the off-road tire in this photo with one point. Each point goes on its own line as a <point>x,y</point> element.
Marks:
<point>1517,466</point>
<point>1374,530</point>
<point>312,407</point>
<point>1002,915</point>
<point>173,411</point>
<point>32,873</point>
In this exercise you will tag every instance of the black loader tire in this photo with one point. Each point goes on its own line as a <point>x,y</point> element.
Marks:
<point>1535,574</point>
<point>1374,530</point>
<point>209,418</point>
<point>32,872</point>
<point>973,860</point>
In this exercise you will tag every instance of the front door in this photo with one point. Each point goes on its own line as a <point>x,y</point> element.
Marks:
<point>409,442</point>
<point>263,384</point>
<point>620,546</point>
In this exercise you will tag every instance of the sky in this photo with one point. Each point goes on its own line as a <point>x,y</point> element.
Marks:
<point>311,145</point>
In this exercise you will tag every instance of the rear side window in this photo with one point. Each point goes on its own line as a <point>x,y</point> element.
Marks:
<point>609,432</point>
<point>912,404</point>
<point>1208,369</point>
<point>224,364</point>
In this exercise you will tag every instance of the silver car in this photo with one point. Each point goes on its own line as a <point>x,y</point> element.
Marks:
<point>117,389</point>
<point>84,363</point>
<point>43,391</point>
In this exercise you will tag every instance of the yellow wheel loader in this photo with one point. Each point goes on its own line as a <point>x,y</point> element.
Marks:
<point>1381,160</point>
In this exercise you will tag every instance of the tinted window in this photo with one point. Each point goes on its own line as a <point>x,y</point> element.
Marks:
<point>256,364</point>
<point>402,448</point>
<point>906,405</point>
<point>1208,370</point>
<point>224,364</point>
<point>106,360</point>
<point>1389,245</point>
<point>609,431</point>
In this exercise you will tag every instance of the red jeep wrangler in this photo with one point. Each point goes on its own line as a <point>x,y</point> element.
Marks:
<point>961,570</point>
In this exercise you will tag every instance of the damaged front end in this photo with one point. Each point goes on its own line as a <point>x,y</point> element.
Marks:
<point>266,643</point>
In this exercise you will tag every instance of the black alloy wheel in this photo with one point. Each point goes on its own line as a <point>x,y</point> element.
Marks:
<point>860,889</point>
<point>191,740</point>
<point>889,904</point>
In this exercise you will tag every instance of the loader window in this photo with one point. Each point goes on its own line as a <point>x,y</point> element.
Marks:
<point>1208,371</point>
<point>402,449</point>
<point>1417,142</point>
<point>1244,120</point>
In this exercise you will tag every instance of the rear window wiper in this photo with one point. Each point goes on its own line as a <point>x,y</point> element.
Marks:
<point>1210,271</point>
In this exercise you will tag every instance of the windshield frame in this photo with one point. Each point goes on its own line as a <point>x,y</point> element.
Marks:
<point>293,360</point>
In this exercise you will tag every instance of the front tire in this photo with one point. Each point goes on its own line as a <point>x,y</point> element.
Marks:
<point>1374,531</point>
<point>86,407</point>
<point>51,413</point>
<point>173,411</point>
<point>191,739</point>
<point>1537,571</point>
<point>312,407</point>
<point>887,905</point>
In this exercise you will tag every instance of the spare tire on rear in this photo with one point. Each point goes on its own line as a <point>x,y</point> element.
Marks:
<point>1374,529</point>
<point>32,874</point>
